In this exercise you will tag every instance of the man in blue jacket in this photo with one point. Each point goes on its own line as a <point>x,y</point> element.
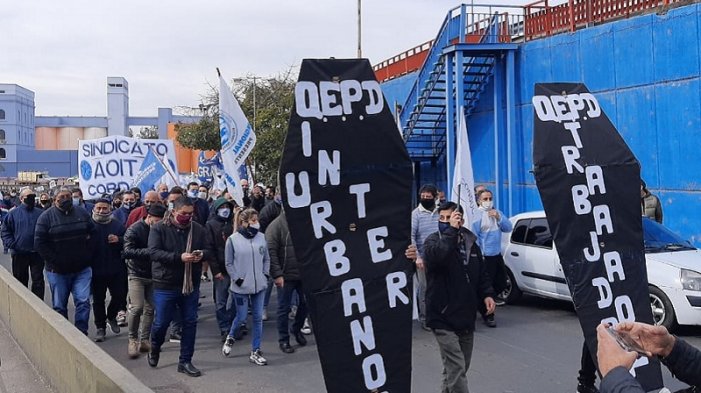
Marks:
<point>108,270</point>
<point>18,235</point>
<point>62,239</point>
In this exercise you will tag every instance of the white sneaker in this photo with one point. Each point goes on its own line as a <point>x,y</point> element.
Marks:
<point>228,343</point>
<point>257,358</point>
<point>265,314</point>
<point>306,328</point>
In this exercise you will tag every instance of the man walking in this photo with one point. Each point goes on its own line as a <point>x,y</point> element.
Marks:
<point>138,259</point>
<point>488,226</point>
<point>62,239</point>
<point>140,212</point>
<point>18,235</point>
<point>424,221</point>
<point>220,227</point>
<point>177,246</point>
<point>108,270</point>
<point>457,282</point>
<point>128,203</point>
<point>284,269</point>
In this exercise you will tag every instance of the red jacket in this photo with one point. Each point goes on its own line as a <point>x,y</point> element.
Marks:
<point>136,215</point>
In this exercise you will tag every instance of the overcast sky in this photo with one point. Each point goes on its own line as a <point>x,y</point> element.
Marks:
<point>168,50</point>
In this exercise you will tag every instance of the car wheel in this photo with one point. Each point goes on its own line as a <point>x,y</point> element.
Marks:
<point>512,292</point>
<point>662,309</point>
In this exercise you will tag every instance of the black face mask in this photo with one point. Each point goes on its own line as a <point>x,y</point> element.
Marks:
<point>45,202</point>
<point>30,201</point>
<point>65,204</point>
<point>117,205</point>
<point>428,204</point>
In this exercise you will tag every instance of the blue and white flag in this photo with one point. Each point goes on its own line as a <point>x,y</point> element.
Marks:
<point>237,139</point>
<point>150,173</point>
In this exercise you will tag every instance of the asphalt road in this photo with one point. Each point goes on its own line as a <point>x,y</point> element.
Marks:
<point>535,349</point>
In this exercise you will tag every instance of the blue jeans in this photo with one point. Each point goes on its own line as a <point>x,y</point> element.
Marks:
<point>224,303</point>
<point>257,300</point>
<point>165,302</point>
<point>268,291</point>
<point>76,284</point>
<point>284,300</point>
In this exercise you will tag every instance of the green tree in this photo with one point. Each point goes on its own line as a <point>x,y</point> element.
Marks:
<point>267,103</point>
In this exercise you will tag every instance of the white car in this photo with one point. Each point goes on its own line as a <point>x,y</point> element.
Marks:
<point>673,268</point>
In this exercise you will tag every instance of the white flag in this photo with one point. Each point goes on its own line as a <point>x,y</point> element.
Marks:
<point>237,139</point>
<point>463,179</point>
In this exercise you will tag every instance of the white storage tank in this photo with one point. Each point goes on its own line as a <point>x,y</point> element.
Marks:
<point>94,133</point>
<point>68,138</point>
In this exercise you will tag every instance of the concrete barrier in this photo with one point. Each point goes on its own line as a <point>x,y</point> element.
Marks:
<point>67,359</point>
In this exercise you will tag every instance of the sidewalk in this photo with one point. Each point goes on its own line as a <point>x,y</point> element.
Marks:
<point>17,374</point>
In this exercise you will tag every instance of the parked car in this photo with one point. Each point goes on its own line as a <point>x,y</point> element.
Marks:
<point>673,268</point>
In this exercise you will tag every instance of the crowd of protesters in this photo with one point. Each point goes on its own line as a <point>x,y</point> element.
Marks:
<point>138,261</point>
<point>151,253</point>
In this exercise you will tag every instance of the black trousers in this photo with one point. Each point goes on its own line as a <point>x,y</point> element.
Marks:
<point>587,374</point>
<point>116,284</point>
<point>497,271</point>
<point>23,264</point>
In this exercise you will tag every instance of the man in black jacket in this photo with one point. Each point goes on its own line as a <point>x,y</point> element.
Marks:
<point>456,281</point>
<point>683,360</point>
<point>284,269</point>
<point>62,239</point>
<point>220,227</point>
<point>108,270</point>
<point>177,246</point>
<point>18,235</point>
<point>138,259</point>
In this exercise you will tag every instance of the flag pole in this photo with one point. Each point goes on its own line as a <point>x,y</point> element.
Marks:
<point>166,166</point>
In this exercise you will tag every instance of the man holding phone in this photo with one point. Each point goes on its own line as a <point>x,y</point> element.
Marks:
<point>683,360</point>
<point>177,245</point>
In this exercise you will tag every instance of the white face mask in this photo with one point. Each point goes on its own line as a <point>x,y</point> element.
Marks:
<point>255,225</point>
<point>192,193</point>
<point>224,213</point>
<point>487,204</point>
<point>202,195</point>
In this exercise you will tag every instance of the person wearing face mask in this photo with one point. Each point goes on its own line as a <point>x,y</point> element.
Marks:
<point>62,238</point>
<point>248,265</point>
<point>140,212</point>
<point>137,196</point>
<point>44,201</point>
<point>140,291</point>
<point>424,221</point>
<point>488,226</point>
<point>18,235</point>
<point>177,245</point>
<point>108,270</point>
<point>257,198</point>
<point>77,197</point>
<point>116,200</point>
<point>128,204</point>
<point>201,206</point>
<point>457,282</point>
<point>220,227</point>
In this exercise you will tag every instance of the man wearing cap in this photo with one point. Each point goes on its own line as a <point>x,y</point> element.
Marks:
<point>140,285</point>
<point>108,270</point>
<point>139,213</point>
<point>18,235</point>
<point>61,238</point>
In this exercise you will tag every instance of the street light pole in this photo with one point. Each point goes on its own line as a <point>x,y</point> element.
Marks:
<point>360,50</point>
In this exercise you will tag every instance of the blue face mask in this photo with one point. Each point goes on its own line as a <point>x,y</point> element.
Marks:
<point>443,226</point>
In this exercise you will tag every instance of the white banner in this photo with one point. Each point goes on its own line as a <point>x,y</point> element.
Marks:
<point>463,178</point>
<point>111,163</point>
<point>237,139</point>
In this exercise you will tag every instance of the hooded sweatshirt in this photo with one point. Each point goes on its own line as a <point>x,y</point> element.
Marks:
<point>219,230</point>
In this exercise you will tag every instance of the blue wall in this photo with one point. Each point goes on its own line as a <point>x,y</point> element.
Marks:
<point>645,72</point>
<point>59,163</point>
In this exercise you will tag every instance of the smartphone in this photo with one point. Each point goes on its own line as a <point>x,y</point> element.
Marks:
<point>197,253</point>
<point>626,341</point>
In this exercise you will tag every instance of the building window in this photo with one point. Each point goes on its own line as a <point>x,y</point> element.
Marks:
<point>3,155</point>
<point>2,114</point>
<point>2,134</point>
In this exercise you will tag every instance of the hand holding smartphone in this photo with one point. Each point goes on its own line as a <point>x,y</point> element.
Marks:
<point>626,341</point>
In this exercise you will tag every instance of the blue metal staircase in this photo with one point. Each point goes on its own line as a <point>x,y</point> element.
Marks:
<point>472,43</point>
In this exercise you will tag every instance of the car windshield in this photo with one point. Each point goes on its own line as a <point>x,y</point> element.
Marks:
<point>660,239</point>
